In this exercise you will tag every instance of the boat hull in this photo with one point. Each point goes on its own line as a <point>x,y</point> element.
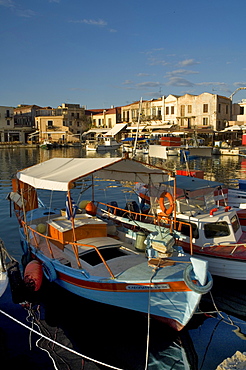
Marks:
<point>166,298</point>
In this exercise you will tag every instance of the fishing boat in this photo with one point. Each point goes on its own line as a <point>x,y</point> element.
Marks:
<point>103,144</point>
<point>211,228</point>
<point>100,258</point>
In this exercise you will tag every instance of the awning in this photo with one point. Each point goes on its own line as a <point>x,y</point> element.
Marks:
<point>116,129</point>
<point>189,183</point>
<point>33,134</point>
<point>96,130</point>
<point>135,127</point>
<point>59,173</point>
<point>155,127</point>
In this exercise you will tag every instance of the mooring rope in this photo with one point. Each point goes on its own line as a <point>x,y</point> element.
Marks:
<point>59,344</point>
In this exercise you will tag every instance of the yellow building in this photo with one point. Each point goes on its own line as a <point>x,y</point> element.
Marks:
<point>63,124</point>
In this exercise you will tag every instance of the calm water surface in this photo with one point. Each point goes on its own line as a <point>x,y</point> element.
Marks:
<point>111,335</point>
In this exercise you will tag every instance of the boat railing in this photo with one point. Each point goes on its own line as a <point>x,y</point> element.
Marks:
<point>141,220</point>
<point>228,245</point>
<point>75,246</point>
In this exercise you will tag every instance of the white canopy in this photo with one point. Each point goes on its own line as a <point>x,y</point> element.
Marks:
<point>59,173</point>
<point>116,129</point>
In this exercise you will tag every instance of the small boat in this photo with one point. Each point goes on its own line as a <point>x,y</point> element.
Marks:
<point>211,229</point>
<point>91,145</point>
<point>103,258</point>
<point>46,144</point>
<point>108,143</point>
<point>102,144</point>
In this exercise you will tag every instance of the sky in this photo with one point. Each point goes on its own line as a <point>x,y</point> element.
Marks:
<point>103,53</point>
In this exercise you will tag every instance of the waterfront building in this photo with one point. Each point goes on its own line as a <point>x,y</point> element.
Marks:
<point>24,121</point>
<point>7,129</point>
<point>63,124</point>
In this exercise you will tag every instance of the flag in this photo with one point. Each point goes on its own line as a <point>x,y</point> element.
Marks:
<point>74,207</point>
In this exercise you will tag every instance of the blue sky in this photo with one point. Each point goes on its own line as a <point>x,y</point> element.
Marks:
<point>100,53</point>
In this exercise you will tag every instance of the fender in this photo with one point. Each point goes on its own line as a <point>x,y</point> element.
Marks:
<point>197,288</point>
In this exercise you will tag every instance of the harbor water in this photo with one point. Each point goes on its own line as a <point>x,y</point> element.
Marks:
<point>110,335</point>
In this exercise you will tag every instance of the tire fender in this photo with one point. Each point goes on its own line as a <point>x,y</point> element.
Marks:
<point>197,288</point>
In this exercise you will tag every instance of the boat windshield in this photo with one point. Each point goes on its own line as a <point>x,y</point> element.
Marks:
<point>235,223</point>
<point>216,229</point>
<point>185,229</point>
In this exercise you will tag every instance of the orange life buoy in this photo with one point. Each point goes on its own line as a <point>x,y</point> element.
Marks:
<point>166,211</point>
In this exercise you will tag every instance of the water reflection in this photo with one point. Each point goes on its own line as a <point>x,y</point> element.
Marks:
<point>111,333</point>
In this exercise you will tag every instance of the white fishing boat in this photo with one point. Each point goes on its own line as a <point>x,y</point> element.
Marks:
<point>102,144</point>
<point>210,230</point>
<point>108,143</point>
<point>102,259</point>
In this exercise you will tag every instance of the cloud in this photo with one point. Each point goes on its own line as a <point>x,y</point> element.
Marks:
<point>143,74</point>
<point>179,81</point>
<point>127,82</point>
<point>147,84</point>
<point>239,84</point>
<point>154,62</point>
<point>181,72</point>
<point>188,62</point>
<point>7,3</point>
<point>91,22</point>
<point>27,13</point>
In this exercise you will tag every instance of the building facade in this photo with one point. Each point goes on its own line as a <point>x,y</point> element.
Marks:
<point>65,123</point>
<point>7,128</point>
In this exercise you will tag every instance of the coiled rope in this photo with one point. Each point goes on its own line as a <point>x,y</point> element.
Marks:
<point>59,344</point>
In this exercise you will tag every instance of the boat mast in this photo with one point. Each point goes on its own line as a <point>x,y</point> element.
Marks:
<point>139,118</point>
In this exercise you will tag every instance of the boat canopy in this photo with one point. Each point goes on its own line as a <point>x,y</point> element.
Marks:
<point>59,173</point>
<point>190,183</point>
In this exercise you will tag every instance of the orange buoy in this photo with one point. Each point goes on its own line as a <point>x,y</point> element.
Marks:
<point>166,211</point>
<point>33,275</point>
<point>91,209</point>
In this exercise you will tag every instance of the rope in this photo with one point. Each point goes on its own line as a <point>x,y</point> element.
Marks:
<point>59,344</point>
<point>148,328</point>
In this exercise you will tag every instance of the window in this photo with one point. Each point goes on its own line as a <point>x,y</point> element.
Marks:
<point>172,109</point>
<point>227,110</point>
<point>110,123</point>
<point>189,108</point>
<point>50,124</point>
<point>167,110</point>
<point>185,229</point>
<point>241,110</point>
<point>235,223</point>
<point>219,108</point>
<point>205,121</point>
<point>77,115</point>
<point>8,122</point>
<point>205,108</point>
<point>182,110</point>
<point>216,229</point>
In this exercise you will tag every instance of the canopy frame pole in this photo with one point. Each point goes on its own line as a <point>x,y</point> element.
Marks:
<point>75,247</point>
